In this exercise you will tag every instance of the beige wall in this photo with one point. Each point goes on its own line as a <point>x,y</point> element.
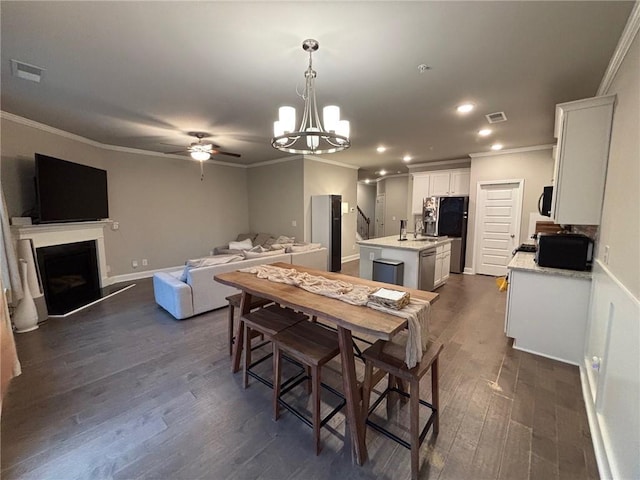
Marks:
<point>323,179</point>
<point>535,167</point>
<point>166,214</point>
<point>275,198</point>
<point>366,197</point>
<point>620,227</point>
<point>395,206</point>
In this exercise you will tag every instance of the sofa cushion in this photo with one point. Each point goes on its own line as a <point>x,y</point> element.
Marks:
<point>228,251</point>
<point>282,239</point>
<point>256,254</point>
<point>245,244</point>
<point>303,247</point>
<point>208,261</point>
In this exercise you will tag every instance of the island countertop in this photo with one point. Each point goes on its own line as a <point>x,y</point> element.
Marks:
<point>525,261</point>
<point>408,244</point>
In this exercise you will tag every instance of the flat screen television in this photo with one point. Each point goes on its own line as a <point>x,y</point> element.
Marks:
<point>69,192</point>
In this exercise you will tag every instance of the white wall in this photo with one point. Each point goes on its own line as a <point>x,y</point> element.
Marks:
<point>535,167</point>
<point>613,394</point>
<point>166,214</point>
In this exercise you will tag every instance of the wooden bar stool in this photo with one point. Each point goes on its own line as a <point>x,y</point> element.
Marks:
<point>267,321</point>
<point>388,357</point>
<point>313,346</point>
<point>234,302</point>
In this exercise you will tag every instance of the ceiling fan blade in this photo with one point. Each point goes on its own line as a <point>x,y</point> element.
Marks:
<point>179,152</point>
<point>220,152</point>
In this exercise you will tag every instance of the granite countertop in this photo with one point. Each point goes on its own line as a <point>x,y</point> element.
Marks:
<point>525,261</point>
<point>408,244</point>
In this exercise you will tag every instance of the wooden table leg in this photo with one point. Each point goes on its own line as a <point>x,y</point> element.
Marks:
<point>350,385</point>
<point>245,307</point>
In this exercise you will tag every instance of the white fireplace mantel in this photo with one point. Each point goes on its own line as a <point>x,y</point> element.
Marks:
<point>49,234</point>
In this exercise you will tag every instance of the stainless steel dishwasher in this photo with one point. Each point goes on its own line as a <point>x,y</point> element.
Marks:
<point>427,270</point>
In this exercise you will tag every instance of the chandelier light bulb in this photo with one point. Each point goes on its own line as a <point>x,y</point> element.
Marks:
<point>331,117</point>
<point>313,141</point>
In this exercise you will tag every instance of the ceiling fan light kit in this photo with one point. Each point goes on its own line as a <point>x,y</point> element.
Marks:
<point>312,137</point>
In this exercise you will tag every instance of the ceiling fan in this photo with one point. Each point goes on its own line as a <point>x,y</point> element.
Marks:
<point>202,150</point>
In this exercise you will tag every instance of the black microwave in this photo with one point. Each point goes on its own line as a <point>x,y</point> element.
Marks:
<point>544,202</point>
<point>571,251</point>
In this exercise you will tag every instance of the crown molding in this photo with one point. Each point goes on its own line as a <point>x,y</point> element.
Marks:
<point>114,148</point>
<point>626,39</point>
<point>439,163</point>
<point>275,161</point>
<point>313,158</point>
<point>534,148</point>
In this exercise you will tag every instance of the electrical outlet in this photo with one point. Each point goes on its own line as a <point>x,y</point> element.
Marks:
<point>294,223</point>
<point>605,256</point>
<point>353,247</point>
<point>115,226</point>
<point>108,268</point>
<point>145,262</point>
<point>393,218</point>
<point>371,255</point>
<point>134,263</point>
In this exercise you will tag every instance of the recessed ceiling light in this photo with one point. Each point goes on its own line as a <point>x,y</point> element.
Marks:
<point>367,180</point>
<point>465,107</point>
<point>496,146</point>
<point>406,158</point>
<point>484,132</point>
<point>382,173</point>
<point>381,149</point>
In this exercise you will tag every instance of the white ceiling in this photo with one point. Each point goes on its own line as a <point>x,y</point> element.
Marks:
<point>142,74</point>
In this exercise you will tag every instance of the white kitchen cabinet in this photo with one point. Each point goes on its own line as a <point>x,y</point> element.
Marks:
<point>443,264</point>
<point>420,191</point>
<point>583,129</point>
<point>459,183</point>
<point>547,312</point>
<point>439,184</point>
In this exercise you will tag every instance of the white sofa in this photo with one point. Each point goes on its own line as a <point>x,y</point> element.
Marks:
<point>201,293</point>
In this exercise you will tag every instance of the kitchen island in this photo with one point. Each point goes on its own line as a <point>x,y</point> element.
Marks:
<point>423,257</point>
<point>547,309</point>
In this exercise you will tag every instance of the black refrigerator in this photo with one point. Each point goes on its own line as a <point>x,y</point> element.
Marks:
<point>452,222</point>
<point>326,227</point>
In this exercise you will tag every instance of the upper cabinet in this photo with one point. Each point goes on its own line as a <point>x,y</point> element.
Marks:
<point>439,183</point>
<point>583,129</point>
<point>459,185</point>
<point>420,191</point>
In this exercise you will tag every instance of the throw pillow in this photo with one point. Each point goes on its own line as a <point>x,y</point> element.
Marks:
<point>245,244</point>
<point>244,236</point>
<point>261,238</point>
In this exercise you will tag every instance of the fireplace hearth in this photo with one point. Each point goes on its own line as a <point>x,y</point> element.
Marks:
<point>70,276</point>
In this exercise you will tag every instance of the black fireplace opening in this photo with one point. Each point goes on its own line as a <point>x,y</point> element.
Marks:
<point>70,276</point>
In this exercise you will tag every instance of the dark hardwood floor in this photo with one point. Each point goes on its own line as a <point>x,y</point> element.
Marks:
<point>123,391</point>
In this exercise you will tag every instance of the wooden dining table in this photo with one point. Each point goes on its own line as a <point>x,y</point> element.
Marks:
<point>347,318</point>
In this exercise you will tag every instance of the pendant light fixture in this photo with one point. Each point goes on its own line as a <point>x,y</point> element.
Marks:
<point>312,137</point>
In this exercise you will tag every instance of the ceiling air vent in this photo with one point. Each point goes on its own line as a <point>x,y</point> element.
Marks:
<point>496,117</point>
<point>26,71</point>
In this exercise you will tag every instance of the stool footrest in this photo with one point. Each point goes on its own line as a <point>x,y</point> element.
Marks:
<point>266,382</point>
<point>391,435</point>
<point>298,414</point>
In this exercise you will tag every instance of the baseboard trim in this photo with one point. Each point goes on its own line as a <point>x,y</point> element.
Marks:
<point>594,427</point>
<point>127,277</point>
<point>468,271</point>
<point>350,258</point>
<point>543,355</point>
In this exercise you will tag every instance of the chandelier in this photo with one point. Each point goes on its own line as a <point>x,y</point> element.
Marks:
<point>312,137</point>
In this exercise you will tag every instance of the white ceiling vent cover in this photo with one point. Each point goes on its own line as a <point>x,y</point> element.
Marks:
<point>26,71</point>
<point>496,117</point>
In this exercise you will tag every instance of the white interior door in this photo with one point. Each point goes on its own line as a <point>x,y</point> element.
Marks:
<point>497,226</point>
<point>380,215</point>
